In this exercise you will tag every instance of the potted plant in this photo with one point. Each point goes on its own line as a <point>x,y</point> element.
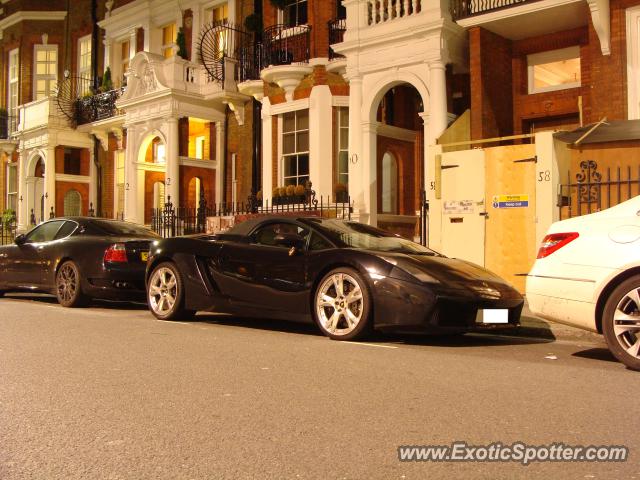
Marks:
<point>291,191</point>
<point>342,195</point>
<point>275,195</point>
<point>253,23</point>
<point>181,42</point>
<point>107,82</point>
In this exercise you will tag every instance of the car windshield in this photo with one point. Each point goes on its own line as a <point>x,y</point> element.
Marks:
<point>358,235</point>
<point>121,229</point>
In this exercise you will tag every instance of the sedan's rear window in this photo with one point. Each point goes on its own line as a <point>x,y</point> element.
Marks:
<point>121,229</point>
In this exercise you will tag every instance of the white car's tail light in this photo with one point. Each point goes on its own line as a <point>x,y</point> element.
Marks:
<point>116,253</point>
<point>555,241</point>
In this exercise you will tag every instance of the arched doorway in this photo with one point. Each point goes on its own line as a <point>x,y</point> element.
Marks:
<point>72,204</point>
<point>399,157</point>
<point>152,159</point>
<point>35,191</point>
<point>194,192</point>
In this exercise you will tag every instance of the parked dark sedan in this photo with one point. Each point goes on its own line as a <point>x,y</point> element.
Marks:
<point>346,276</point>
<point>77,258</point>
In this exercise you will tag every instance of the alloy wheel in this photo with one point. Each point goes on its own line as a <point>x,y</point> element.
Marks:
<point>67,283</point>
<point>163,291</point>
<point>339,304</point>
<point>626,322</point>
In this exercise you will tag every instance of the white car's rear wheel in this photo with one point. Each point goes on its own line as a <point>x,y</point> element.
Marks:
<point>621,322</point>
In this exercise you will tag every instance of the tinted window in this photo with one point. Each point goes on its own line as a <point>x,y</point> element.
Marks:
<point>66,230</point>
<point>359,235</point>
<point>318,243</point>
<point>121,229</point>
<point>266,235</point>
<point>45,232</point>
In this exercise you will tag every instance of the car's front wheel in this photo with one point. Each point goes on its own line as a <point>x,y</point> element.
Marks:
<point>342,305</point>
<point>621,322</point>
<point>165,293</point>
<point>68,289</point>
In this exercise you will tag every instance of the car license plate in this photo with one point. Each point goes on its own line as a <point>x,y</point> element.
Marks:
<point>144,256</point>
<point>493,315</point>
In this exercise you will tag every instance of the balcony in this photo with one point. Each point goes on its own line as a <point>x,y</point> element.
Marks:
<point>468,8</point>
<point>337,27</point>
<point>44,113</point>
<point>97,107</point>
<point>382,11</point>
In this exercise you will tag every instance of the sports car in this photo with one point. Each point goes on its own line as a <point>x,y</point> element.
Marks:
<point>346,276</point>
<point>77,258</point>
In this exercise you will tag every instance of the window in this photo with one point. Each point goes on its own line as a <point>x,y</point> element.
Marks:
<point>343,146</point>
<point>46,70</point>
<point>200,147</point>
<point>12,186</point>
<point>220,14</point>
<point>72,203</point>
<point>72,161</point>
<point>14,72</point>
<point>266,235</point>
<point>67,229</point>
<point>389,184</point>
<point>84,65</point>
<point>159,153</point>
<point>45,232</point>
<point>168,40</point>
<point>554,70</point>
<point>295,13</point>
<point>295,147</point>
<point>125,53</point>
<point>120,181</point>
<point>318,243</point>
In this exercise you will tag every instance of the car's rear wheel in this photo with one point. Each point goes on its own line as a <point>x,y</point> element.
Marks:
<point>621,322</point>
<point>68,289</point>
<point>342,305</point>
<point>165,293</point>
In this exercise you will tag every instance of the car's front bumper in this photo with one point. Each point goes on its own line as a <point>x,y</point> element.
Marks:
<point>407,306</point>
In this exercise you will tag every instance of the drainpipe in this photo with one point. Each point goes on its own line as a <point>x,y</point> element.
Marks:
<point>96,84</point>
<point>256,178</point>
<point>225,149</point>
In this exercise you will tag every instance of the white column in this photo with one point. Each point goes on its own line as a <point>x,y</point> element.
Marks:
<point>220,172</point>
<point>321,141</point>
<point>108,46</point>
<point>369,173</point>
<point>547,190</point>
<point>50,182</point>
<point>172,173</point>
<point>133,42</point>
<point>356,159</point>
<point>437,102</point>
<point>131,210</point>
<point>267,150</point>
<point>23,214</point>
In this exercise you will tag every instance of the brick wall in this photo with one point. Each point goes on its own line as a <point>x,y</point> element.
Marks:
<point>187,189</point>
<point>240,142</point>
<point>150,178</point>
<point>61,190</point>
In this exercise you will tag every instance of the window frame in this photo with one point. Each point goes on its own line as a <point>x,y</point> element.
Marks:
<point>84,71</point>
<point>123,62</point>
<point>13,84</point>
<point>549,56</point>
<point>12,195</point>
<point>170,47</point>
<point>119,186</point>
<point>297,152</point>
<point>46,77</point>
<point>339,148</point>
<point>283,20</point>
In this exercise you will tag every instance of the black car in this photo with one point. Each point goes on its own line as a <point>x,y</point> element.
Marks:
<point>346,276</point>
<point>77,258</point>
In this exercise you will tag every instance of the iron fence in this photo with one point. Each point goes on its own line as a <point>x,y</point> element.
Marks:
<point>468,8</point>
<point>594,191</point>
<point>424,219</point>
<point>8,228</point>
<point>284,45</point>
<point>337,27</point>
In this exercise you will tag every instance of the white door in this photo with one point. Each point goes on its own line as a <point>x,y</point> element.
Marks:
<point>37,201</point>
<point>463,207</point>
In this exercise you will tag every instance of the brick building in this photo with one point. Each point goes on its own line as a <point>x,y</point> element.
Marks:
<point>350,95</point>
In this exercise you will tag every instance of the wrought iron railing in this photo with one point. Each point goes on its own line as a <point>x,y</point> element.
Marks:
<point>97,107</point>
<point>250,62</point>
<point>221,41</point>
<point>171,221</point>
<point>594,191</point>
<point>337,27</point>
<point>468,8</point>
<point>284,45</point>
<point>8,227</point>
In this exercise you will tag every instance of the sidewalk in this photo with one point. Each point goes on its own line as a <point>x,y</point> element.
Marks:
<point>534,327</point>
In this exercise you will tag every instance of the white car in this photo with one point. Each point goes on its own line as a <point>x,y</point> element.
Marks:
<point>588,275</point>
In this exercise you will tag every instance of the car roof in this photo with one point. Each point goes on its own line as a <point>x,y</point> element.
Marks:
<point>247,226</point>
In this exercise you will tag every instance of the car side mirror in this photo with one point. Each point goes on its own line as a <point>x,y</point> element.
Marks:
<point>20,239</point>
<point>289,240</point>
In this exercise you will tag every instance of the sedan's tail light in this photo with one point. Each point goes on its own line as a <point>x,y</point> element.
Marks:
<point>116,253</point>
<point>555,241</point>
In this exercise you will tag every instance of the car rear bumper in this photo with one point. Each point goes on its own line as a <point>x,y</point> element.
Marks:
<point>122,282</point>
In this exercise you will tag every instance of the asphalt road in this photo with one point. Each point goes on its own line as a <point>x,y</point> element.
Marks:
<point>108,392</point>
